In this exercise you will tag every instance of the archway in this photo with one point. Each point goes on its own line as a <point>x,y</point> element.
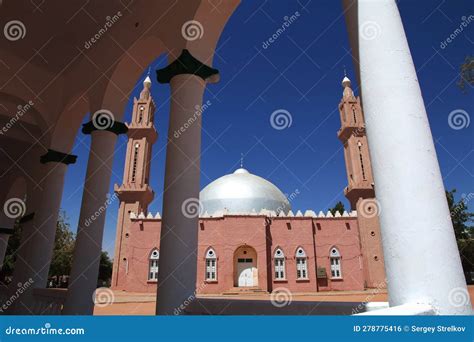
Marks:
<point>245,267</point>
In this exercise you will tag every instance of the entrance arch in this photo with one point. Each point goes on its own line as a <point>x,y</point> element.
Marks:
<point>245,267</point>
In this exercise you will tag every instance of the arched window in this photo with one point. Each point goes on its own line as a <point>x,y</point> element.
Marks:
<point>140,115</point>
<point>211,265</point>
<point>301,264</point>
<point>335,258</point>
<point>134,163</point>
<point>359,144</point>
<point>279,257</point>
<point>153,268</point>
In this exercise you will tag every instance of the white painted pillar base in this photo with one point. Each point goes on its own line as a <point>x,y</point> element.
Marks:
<point>88,246</point>
<point>413,309</point>
<point>421,256</point>
<point>178,254</point>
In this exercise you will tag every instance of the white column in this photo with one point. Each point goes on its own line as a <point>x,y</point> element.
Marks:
<point>12,207</point>
<point>6,224</point>
<point>421,257</point>
<point>178,254</point>
<point>3,247</point>
<point>40,234</point>
<point>88,246</point>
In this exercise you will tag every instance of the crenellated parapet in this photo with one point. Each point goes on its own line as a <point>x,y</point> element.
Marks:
<point>263,213</point>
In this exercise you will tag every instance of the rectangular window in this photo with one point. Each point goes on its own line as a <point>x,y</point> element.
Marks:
<point>279,268</point>
<point>211,269</point>
<point>153,270</point>
<point>336,267</point>
<point>301,268</point>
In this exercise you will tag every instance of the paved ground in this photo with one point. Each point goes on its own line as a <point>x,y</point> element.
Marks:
<point>144,304</point>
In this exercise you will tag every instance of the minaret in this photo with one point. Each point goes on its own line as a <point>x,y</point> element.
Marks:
<point>356,152</point>
<point>360,190</point>
<point>135,193</point>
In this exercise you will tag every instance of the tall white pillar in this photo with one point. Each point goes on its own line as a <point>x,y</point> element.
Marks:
<point>6,229</point>
<point>179,229</point>
<point>88,246</point>
<point>178,254</point>
<point>12,207</point>
<point>421,257</point>
<point>3,247</point>
<point>42,231</point>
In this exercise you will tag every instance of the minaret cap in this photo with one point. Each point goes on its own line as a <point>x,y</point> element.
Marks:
<point>346,82</point>
<point>147,82</point>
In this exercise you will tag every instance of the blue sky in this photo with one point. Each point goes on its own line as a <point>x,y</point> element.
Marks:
<point>300,72</point>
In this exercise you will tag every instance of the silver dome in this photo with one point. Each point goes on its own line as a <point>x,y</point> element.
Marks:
<point>240,193</point>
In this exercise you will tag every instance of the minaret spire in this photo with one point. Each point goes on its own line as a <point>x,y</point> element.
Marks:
<point>360,188</point>
<point>135,193</point>
<point>145,93</point>
<point>352,135</point>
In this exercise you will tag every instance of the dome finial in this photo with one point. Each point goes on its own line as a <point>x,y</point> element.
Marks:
<point>346,82</point>
<point>241,160</point>
<point>147,81</point>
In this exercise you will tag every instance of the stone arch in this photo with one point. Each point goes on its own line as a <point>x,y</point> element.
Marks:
<point>125,75</point>
<point>245,267</point>
<point>276,252</point>
<point>153,264</point>
<point>68,124</point>
<point>210,253</point>
<point>17,189</point>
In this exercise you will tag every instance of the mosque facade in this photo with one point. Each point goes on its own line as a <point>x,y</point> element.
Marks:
<point>250,239</point>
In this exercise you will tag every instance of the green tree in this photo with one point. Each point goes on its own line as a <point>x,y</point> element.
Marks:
<point>62,253</point>
<point>462,220</point>
<point>467,74</point>
<point>10,254</point>
<point>460,216</point>
<point>338,207</point>
<point>105,269</point>
<point>61,261</point>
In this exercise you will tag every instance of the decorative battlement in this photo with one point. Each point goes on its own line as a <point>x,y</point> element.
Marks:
<point>263,212</point>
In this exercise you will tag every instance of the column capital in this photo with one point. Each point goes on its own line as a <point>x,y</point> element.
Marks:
<point>117,128</point>
<point>185,64</point>
<point>8,231</point>
<point>27,218</point>
<point>57,157</point>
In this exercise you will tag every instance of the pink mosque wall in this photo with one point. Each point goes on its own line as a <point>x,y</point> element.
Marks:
<point>226,234</point>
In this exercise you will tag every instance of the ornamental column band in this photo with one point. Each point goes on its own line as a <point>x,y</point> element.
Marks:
<point>88,247</point>
<point>178,243</point>
<point>43,228</point>
<point>421,257</point>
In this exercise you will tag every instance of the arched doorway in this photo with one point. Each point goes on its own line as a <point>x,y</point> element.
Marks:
<point>245,267</point>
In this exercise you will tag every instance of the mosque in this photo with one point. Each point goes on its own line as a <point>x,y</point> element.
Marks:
<point>240,234</point>
<point>250,239</point>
